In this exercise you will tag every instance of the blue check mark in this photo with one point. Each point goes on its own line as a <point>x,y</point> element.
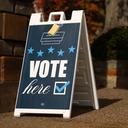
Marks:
<point>60,89</point>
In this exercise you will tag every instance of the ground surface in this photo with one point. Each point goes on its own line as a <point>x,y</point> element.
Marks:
<point>113,113</point>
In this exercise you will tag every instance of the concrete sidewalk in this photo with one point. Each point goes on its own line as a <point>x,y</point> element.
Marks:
<point>113,113</point>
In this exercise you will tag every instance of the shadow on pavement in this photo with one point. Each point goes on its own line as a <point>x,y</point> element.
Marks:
<point>106,102</point>
<point>78,110</point>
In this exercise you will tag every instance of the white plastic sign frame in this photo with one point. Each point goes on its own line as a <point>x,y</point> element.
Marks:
<point>77,17</point>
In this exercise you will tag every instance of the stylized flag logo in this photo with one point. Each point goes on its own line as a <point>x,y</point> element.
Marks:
<point>47,39</point>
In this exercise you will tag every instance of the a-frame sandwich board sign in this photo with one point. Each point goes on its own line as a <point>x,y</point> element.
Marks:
<point>56,55</point>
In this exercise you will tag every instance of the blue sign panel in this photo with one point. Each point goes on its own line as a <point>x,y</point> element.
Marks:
<point>48,67</point>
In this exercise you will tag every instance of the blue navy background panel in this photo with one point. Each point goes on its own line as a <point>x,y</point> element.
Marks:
<point>49,101</point>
